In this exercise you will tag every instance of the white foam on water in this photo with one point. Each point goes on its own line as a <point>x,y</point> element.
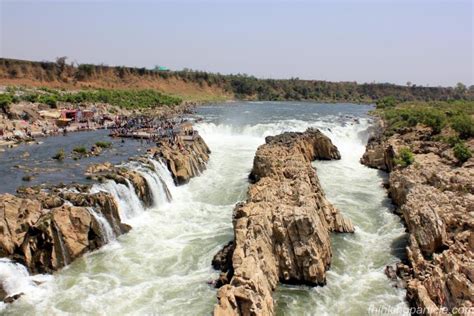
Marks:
<point>154,178</point>
<point>129,203</point>
<point>162,265</point>
<point>15,279</point>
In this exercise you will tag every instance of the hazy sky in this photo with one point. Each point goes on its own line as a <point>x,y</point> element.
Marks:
<point>422,41</point>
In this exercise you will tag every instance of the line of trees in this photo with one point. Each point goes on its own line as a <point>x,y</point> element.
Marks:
<point>241,85</point>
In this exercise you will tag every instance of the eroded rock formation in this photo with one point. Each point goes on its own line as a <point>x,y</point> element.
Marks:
<point>185,162</point>
<point>282,230</point>
<point>435,197</point>
<point>45,231</point>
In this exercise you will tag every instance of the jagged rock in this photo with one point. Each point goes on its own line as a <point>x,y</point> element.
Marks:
<point>46,239</point>
<point>435,197</point>
<point>186,162</point>
<point>10,299</point>
<point>123,176</point>
<point>222,261</point>
<point>282,230</point>
<point>3,293</point>
<point>97,168</point>
<point>16,217</point>
<point>99,201</point>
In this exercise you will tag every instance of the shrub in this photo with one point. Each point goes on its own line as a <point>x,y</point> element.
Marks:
<point>451,140</point>
<point>59,155</point>
<point>462,152</point>
<point>387,102</point>
<point>464,125</point>
<point>435,120</point>
<point>80,150</point>
<point>5,100</point>
<point>50,100</point>
<point>103,144</point>
<point>405,157</point>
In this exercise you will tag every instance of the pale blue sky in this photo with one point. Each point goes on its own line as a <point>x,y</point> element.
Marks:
<point>425,42</point>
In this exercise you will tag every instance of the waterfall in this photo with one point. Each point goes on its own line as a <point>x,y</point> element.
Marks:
<point>129,203</point>
<point>107,233</point>
<point>165,177</point>
<point>154,178</point>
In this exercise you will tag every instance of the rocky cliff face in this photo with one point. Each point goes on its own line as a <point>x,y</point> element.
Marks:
<point>282,230</point>
<point>435,197</point>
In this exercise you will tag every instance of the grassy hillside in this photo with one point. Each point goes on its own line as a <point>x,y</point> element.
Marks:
<point>203,86</point>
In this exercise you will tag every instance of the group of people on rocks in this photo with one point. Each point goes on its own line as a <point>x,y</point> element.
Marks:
<point>153,129</point>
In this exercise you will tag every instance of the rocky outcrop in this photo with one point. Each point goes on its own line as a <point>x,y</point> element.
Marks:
<point>185,159</point>
<point>107,171</point>
<point>435,197</point>
<point>282,230</point>
<point>45,231</point>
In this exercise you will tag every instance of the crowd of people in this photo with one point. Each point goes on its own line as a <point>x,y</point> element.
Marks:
<point>154,130</point>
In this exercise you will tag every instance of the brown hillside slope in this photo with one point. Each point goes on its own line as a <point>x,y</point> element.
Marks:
<point>57,75</point>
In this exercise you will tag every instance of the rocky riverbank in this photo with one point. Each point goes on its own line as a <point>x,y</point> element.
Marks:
<point>435,197</point>
<point>26,121</point>
<point>47,227</point>
<point>281,232</point>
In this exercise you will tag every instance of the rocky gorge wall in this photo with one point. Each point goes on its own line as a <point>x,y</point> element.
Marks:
<point>281,232</point>
<point>435,198</point>
<point>46,228</point>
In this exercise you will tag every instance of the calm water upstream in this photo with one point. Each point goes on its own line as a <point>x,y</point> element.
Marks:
<point>163,265</point>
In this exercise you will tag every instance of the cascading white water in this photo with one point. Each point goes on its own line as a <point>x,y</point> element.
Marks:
<point>154,178</point>
<point>164,177</point>
<point>162,265</point>
<point>107,232</point>
<point>15,279</point>
<point>129,203</point>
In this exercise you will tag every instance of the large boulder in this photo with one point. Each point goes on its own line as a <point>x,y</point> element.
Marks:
<point>17,215</point>
<point>46,236</point>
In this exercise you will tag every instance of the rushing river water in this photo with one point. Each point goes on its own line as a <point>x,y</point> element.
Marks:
<point>162,265</point>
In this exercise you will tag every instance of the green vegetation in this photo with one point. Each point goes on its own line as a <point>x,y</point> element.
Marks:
<point>60,155</point>
<point>80,150</point>
<point>437,115</point>
<point>464,125</point>
<point>129,99</point>
<point>103,144</point>
<point>405,157</point>
<point>456,117</point>
<point>387,102</point>
<point>5,100</point>
<point>462,152</point>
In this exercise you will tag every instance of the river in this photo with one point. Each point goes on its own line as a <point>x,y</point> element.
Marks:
<point>162,265</point>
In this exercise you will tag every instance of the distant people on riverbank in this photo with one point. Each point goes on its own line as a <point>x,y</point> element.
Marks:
<point>153,129</point>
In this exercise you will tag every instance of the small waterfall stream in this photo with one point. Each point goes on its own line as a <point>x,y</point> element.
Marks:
<point>107,232</point>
